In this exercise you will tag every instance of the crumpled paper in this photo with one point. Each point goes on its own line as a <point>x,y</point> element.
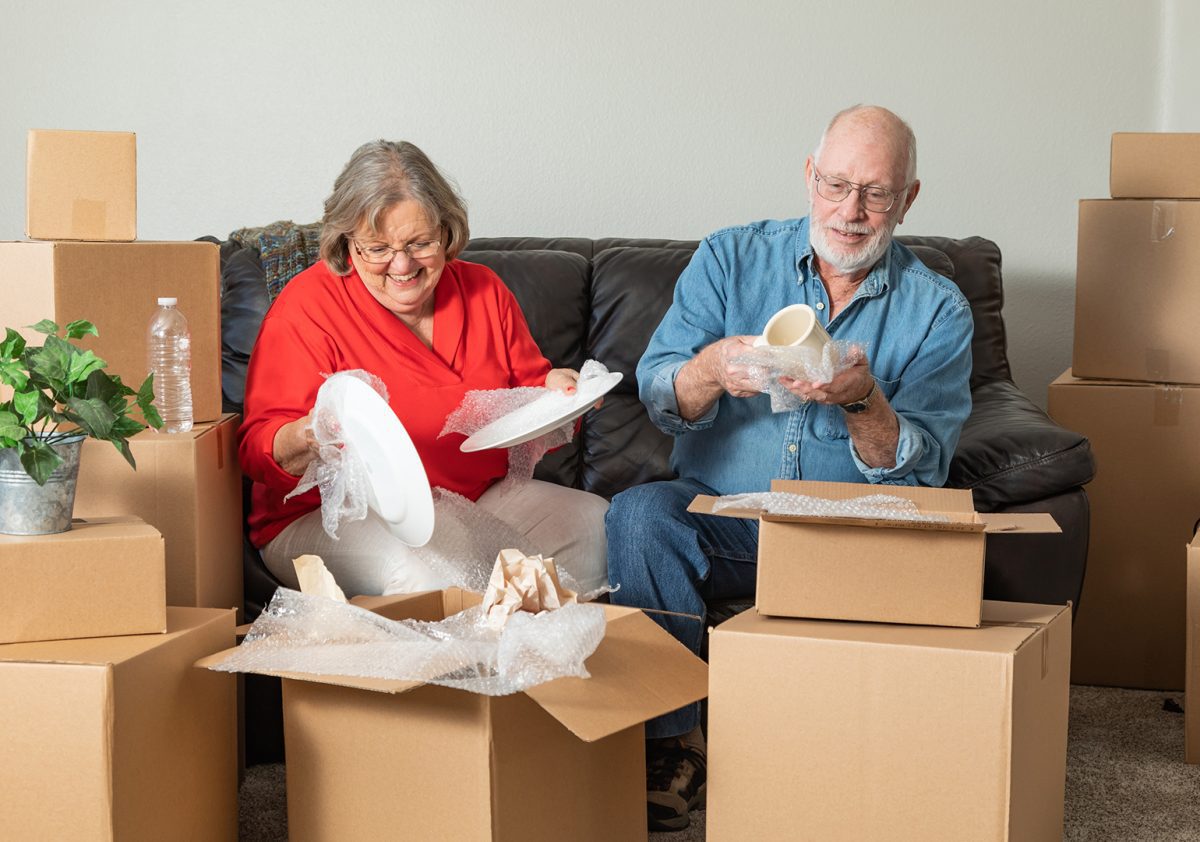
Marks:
<point>315,579</point>
<point>338,471</point>
<point>767,363</point>
<point>523,583</point>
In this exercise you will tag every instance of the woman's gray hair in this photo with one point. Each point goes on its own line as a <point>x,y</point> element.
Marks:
<point>379,175</point>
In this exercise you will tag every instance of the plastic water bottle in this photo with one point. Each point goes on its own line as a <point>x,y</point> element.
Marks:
<point>169,358</point>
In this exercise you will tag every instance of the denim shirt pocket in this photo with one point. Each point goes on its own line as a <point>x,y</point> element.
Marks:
<point>831,420</point>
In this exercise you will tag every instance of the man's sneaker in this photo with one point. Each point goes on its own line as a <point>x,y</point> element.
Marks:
<point>676,781</point>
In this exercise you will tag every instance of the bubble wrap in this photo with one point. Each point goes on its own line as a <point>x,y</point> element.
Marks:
<point>483,406</point>
<point>873,506</point>
<point>338,471</point>
<point>768,363</point>
<point>315,635</point>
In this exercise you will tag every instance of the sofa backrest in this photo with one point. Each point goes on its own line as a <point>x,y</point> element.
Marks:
<point>602,299</point>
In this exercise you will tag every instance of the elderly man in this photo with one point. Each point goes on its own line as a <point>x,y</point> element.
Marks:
<point>893,418</point>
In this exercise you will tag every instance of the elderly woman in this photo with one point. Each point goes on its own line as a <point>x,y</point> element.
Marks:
<point>390,296</point>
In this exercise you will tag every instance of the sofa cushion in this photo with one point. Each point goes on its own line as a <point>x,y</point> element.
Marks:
<point>632,287</point>
<point>977,273</point>
<point>1011,452</point>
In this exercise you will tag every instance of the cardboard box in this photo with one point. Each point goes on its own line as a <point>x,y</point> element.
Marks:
<point>1137,291</point>
<point>81,185</point>
<point>372,759</point>
<point>886,571</point>
<point>1191,703</point>
<point>1155,165</point>
<point>853,731</point>
<point>116,286</point>
<point>120,737</point>
<point>189,486</point>
<point>102,577</point>
<point>1129,628</point>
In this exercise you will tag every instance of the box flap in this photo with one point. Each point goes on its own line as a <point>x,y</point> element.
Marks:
<point>639,671</point>
<point>1019,522</point>
<point>378,685</point>
<point>954,503</point>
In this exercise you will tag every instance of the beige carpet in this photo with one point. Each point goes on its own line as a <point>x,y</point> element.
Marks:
<point>1126,779</point>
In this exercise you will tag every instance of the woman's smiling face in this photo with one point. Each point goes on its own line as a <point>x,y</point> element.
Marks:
<point>403,284</point>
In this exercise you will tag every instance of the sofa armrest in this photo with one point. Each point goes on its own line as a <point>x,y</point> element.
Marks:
<point>1012,452</point>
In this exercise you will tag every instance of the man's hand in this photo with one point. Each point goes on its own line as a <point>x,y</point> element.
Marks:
<point>711,373</point>
<point>875,431</point>
<point>853,384</point>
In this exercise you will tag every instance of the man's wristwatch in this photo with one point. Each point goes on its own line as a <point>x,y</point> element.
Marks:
<point>862,403</point>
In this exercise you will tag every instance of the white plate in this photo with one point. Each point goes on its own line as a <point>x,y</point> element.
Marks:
<point>540,416</point>
<point>397,487</point>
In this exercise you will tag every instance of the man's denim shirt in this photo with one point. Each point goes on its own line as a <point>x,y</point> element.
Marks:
<point>916,327</point>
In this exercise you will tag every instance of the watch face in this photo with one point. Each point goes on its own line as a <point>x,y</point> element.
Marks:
<point>857,406</point>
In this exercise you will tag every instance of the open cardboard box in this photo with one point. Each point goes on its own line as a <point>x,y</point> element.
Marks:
<point>887,571</point>
<point>371,758</point>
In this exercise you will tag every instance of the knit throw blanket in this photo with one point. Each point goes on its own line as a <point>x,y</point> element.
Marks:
<point>284,248</point>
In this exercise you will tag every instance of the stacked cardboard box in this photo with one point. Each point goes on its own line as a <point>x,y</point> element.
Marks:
<point>84,262</point>
<point>1192,711</point>
<point>1134,390</point>
<point>109,732</point>
<point>853,726</point>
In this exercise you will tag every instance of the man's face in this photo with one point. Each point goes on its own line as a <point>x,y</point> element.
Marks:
<point>846,235</point>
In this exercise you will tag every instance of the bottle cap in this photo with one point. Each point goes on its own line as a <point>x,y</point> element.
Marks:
<point>167,301</point>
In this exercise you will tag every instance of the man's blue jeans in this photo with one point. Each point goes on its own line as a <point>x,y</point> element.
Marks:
<point>663,557</point>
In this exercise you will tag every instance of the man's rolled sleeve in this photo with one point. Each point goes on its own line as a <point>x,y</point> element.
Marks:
<point>658,394</point>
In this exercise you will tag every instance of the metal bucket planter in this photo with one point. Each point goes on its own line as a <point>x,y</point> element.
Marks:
<point>27,508</point>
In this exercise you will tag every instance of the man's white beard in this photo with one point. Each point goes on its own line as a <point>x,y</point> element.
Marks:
<point>845,260</point>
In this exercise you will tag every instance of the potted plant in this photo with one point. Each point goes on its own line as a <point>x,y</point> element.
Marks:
<point>60,395</point>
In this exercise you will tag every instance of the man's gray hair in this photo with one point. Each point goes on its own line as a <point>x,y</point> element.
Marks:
<point>883,118</point>
<point>380,175</point>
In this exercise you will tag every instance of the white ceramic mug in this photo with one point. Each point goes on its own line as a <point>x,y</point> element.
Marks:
<point>794,326</point>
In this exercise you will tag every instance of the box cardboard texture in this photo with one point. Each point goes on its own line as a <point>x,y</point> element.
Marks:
<point>1155,165</point>
<point>120,738</point>
<point>1129,629</point>
<point>81,185</point>
<point>373,759</point>
<point>116,286</point>
<point>1137,291</point>
<point>1191,707</point>
<point>853,731</point>
<point>102,577</point>
<point>876,570</point>
<point>189,486</point>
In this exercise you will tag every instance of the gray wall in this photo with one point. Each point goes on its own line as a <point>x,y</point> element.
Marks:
<point>664,119</point>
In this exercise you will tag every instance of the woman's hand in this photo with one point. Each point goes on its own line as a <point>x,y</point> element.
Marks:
<point>566,380</point>
<point>563,380</point>
<point>295,445</point>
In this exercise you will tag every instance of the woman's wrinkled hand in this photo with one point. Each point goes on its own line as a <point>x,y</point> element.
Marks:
<point>295,446</point>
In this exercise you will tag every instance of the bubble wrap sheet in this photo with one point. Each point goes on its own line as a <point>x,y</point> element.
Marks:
<point>466,540</point>
<point>338,471</point>
<point>869,506</point>
<point>316,635</point>
<point>768,363</point>
<point>481,407</point>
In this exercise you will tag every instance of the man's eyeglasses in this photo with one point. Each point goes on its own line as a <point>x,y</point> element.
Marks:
<point>878,199</point>
<point>378,253</point>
